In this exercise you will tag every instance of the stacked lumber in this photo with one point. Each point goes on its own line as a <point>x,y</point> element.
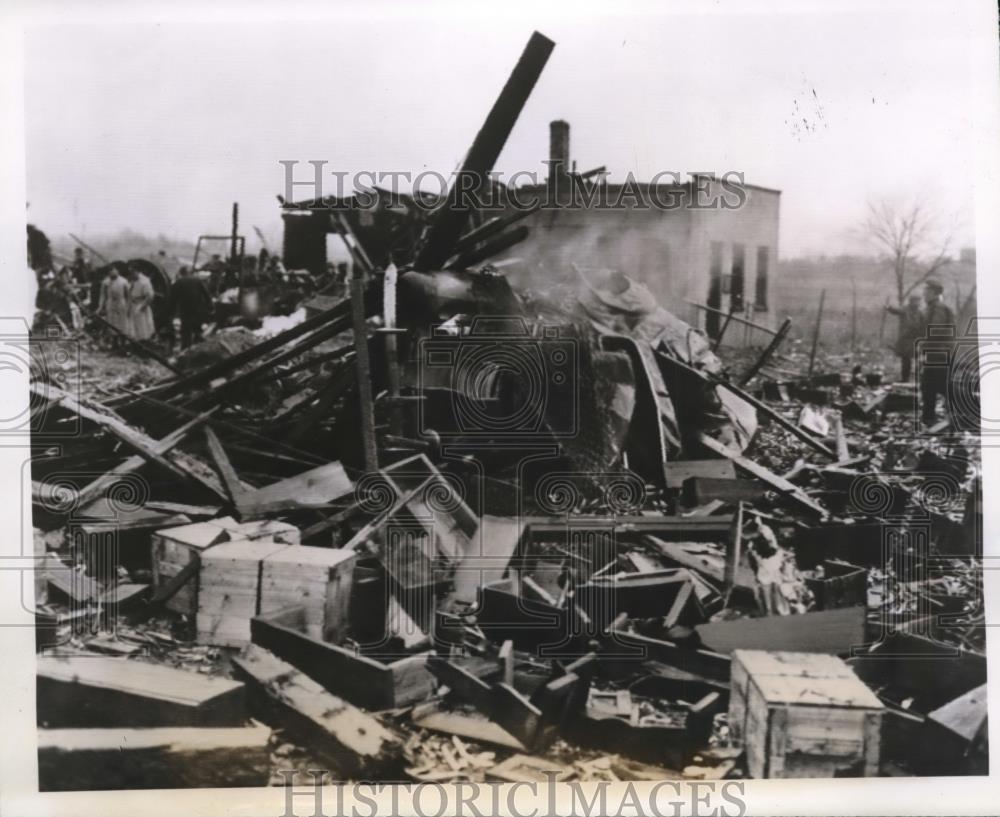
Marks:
<point>229,590</point>
<point>318,579</point>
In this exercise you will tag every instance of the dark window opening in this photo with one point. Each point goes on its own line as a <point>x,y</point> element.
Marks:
<point>736,286</point>
<point>760,291</point>
<point>715,287</point>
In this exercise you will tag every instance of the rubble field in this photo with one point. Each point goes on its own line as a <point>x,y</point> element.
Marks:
<point>439,528</point>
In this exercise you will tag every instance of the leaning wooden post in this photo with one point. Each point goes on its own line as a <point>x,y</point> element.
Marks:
<point>364,368</point>
<point>725,326</point>
<point>766,354</point>
<point>819,320</point>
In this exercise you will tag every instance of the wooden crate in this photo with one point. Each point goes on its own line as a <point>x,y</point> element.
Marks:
<point>842,585</point>
<point>803,715</point>
<point>316,578</point>
<point>173,548</point>
<point>379,682</point>
<point>229,590</point>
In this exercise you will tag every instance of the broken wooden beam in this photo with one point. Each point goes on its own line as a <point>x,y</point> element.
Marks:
<point>141,443</point>
<point>450,220</point>
<point>779,484</point>
<point>354,741</point>
<point>230,479</point>
<point>99,486</point>
<point>679,471</point>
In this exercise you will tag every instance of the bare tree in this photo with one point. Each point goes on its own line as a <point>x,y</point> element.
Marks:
<point>909,240</point>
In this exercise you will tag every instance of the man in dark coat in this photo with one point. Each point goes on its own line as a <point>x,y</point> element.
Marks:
<point>190,301</point>
<point>936,349</point>
<point>911,327</point>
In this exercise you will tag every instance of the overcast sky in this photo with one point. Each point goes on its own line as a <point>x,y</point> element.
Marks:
<point>159,128</point>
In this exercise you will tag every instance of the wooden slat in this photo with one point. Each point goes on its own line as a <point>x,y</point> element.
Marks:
<point>826,631</point>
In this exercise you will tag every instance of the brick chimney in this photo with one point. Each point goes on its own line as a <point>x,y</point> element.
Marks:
<point>559,147</point>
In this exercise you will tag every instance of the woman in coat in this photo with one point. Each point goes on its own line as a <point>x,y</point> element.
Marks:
<point>141,305</point>
<point>114,304</point>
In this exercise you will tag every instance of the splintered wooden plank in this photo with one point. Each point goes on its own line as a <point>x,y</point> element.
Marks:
<point>681,470</point>
<point>780,484</point>
<point>96,488</point>
<point>316,488</point>
<point>230,479</point>
<point>101,691</point>
<point>826,631</point>
<point>353,740</point>
<point>166,758</point>
<point>472,725</point>
<point>144,445</point>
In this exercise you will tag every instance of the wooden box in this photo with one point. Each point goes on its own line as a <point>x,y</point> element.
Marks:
<point>381,682</point>
<point>842,585</point>
<point>229,590</point>
<point>803,715</point>
<point>316,578</point>
<point>173,548</point>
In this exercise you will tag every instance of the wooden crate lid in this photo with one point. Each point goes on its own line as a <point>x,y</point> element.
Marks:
<point>267,529</point>
<point>245,550</point>
<point>794,664</point>
<point>840,692</point>
<point>201,535</point>
<point>310,555</point>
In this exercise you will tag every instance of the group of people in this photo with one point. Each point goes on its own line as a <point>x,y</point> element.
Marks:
<point>932,326</point>
<point>126,304</point>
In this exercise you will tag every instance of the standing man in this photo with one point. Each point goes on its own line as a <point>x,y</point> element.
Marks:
<point>911,327</point>
<point>937,346</point>
<point>80,267</point>
<point>141,295</point>
<point>215,268</point>
<point>113,306</point>
<point>191,302</point>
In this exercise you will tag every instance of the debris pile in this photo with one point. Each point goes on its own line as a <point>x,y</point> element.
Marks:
<point>445,531</point>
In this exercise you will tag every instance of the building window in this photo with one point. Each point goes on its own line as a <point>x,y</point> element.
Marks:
<point>737,276</point>
<point>716,287</point>
<point>760,290</point>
